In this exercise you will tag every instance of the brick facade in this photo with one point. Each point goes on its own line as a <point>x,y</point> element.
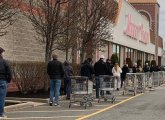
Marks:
<point>20,42</point>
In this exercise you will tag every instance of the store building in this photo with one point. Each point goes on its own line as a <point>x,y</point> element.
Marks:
<point>131,36</point>
<point>150,9</point>
<point>135,36</point>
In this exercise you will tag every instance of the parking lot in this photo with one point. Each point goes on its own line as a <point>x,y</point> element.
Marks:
<point>43,111</point>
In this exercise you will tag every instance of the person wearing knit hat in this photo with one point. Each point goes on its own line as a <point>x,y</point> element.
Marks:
<point>102,57</point>
<point>5,78</point>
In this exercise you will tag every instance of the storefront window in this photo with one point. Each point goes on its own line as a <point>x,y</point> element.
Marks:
<point>126,50</point>
<point>116,50</point>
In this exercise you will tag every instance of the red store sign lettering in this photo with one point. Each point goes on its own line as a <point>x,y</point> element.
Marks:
<point>135,31</point>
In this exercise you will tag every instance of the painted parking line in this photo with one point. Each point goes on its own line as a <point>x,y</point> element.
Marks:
<point>107,108</point>
<point>55,117</point>
<point>86,110</point>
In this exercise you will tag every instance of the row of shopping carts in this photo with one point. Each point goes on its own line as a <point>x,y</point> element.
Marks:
<point>141,82</point>
<point>82,87</point>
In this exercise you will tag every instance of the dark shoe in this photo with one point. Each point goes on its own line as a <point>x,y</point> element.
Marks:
<point>68,98</point>
<point>117,89</point>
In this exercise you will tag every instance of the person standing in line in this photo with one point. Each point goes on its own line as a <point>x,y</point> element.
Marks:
<point>116,70</point>
<point>5,78</point>
<point>56,73</point>
<point>109,67</point>
<point>134,68</point>
<point>153,68</point>
<point>67,80</point>
<point>125,70</point>
<point>100,68</point>
<point>146,68</point>
<point>87,69</point>
<point>139,68</point>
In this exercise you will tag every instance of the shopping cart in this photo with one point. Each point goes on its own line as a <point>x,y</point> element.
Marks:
<point>149,81</point>
<point>141,83</point>
<point>161,79</point>
<point>107,88</point>
<point>130,84</point>
<point>81,91</point>
<point>156,80</point>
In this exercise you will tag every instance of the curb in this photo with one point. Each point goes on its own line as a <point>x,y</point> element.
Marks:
<point>22,103</point>
<point>27,99</point>
<point>33,99</point>
<point>19,106</point>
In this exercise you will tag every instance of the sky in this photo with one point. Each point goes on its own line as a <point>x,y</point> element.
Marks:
<point>162,19</point>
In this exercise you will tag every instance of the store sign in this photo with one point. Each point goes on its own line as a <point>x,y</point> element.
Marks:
<point>136,31</point>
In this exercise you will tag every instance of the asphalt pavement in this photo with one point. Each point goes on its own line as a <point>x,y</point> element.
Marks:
<point>147,106</point>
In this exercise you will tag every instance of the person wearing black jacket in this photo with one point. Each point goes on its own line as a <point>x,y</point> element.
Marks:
<point>100,68</point>
<point>146,68</point>
<point>109,67</point>
<point>87,69</point>
<point>56,73</point>
<point>125,70</point>
<point>5,78</point>
<point>68,70</point>
<point>134,68</point>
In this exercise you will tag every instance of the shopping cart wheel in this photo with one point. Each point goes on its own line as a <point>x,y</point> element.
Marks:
<point>98,100</point>
<point>123,93</point>
<point>134,93</point>
<point>81,103</point>
<point>85,105</point>
<point>90,104</point>
<point>113,100</point>
<point>69,105</point>
<point>105,99</point>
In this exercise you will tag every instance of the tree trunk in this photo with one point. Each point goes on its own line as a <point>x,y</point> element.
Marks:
<point>82,55</point>
<point>48,53</point>
<point>67,53</point>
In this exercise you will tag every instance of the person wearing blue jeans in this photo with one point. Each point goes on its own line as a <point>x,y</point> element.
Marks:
<point>56,72</point>
<point>55,85</point>
<point>3,91</point>
<point>97,86</point>
<point>5,78</point>
<point>100,68</point>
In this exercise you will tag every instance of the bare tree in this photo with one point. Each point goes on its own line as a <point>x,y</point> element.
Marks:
<point>7,11</point>
<point>95,18</point>
<point>63,24</point>
<point>68,39</point>
<point>46,17</point>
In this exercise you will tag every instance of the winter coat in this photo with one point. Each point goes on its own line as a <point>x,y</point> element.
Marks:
<point>125,70</point>
<point>68,71</point>
<point>5,71</point>
<point>134,69</point>
<point>100,68</point>
<point>87,70</point>
<point>116,72</point>
<point>55,69</point>
<point>109,68</point>
<point>146,68</point>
